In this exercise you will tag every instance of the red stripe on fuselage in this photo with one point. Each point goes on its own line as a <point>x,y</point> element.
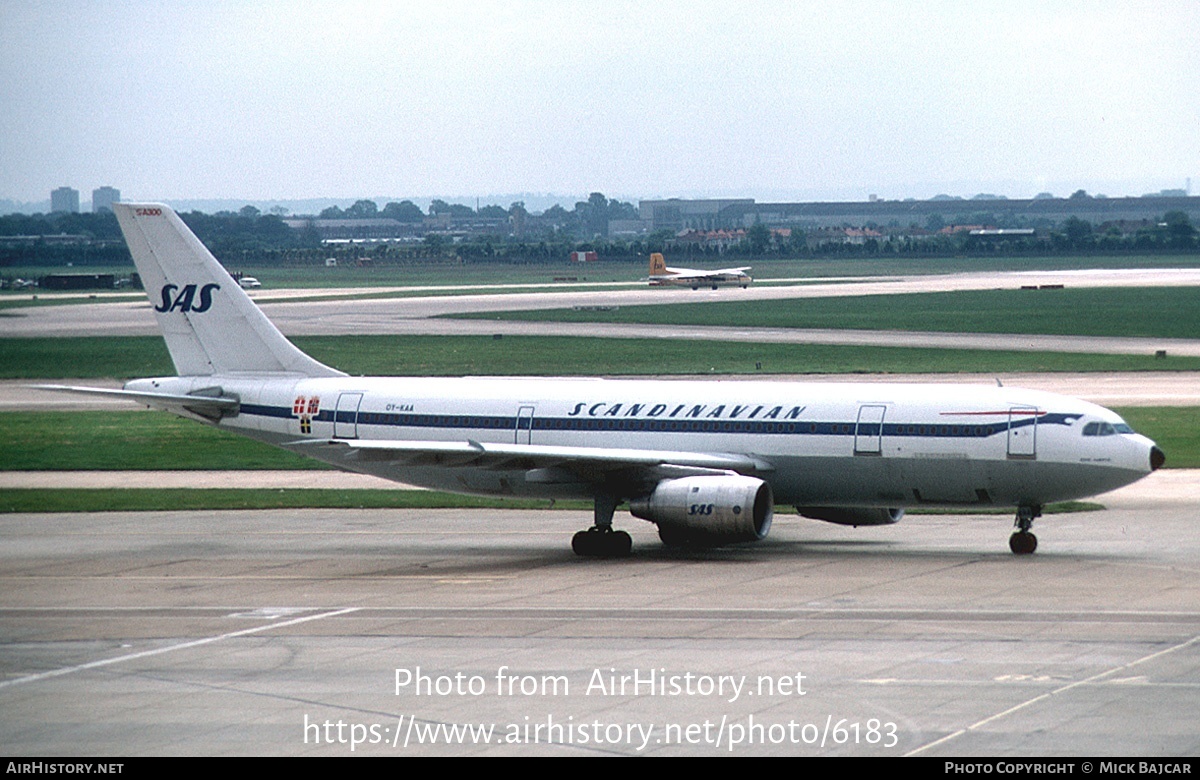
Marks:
<point>1037,412</point>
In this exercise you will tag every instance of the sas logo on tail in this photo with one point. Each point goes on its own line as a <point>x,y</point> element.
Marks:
<point>185,299</point>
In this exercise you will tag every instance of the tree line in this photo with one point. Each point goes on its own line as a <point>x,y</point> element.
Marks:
<point>248,236</point>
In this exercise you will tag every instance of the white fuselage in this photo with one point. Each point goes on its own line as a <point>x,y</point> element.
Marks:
<point>819,444</point>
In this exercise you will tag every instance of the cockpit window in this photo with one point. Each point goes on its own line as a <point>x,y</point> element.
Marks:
<point>1105,429</point>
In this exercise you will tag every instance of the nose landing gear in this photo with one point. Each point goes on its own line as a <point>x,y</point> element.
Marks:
<point>1022,542</point>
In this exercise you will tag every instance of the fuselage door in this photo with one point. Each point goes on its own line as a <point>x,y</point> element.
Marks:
<point>524,430</point>
<point>1022,432</point>
<point>345,417</point>
<point>868,432</point>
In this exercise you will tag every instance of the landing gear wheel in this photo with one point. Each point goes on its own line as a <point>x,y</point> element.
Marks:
<point>1022,543</point>
<point>621,544</point>
<point>600,543</point>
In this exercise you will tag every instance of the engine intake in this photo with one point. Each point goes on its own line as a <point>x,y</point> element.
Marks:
<point>852,515</point>
<point>708,510</point>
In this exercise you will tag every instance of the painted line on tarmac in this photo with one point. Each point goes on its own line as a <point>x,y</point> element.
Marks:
<point>1051,694</point>
<point>170,648</point>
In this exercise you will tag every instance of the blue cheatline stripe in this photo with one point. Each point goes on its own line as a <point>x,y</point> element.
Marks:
<point>656,425</point>
<point>266,411</point>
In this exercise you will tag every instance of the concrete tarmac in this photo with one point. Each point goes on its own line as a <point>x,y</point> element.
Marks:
<point>400,632</point>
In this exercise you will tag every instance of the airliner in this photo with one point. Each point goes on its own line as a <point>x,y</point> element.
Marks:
<point>661,275</point>
<point>706,461</point>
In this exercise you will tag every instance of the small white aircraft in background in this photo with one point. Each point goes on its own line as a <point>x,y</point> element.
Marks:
<point>662,276</point>
<point>706,461</point>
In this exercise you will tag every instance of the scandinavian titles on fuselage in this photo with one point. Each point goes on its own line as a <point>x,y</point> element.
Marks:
<point>726,411</point>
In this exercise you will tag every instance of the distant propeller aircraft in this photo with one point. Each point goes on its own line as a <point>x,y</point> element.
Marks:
<point>662,276</point>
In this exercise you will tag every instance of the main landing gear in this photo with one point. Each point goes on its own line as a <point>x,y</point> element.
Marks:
<point>1022,542</point>
<point>601,541</point>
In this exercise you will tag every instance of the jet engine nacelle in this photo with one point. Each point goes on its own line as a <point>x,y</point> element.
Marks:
<point>852,515</point>
<point>708,510</point>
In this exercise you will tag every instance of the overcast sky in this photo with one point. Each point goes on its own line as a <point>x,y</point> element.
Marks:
<point>772,100</point>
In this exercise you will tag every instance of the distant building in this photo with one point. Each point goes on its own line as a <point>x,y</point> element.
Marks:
<point>584,257</point>
<point>677,214</point>
<point>341,230</point>
<point>707,215</point>
<point>712,239</point>
<point>65,199</point>
<point>104,197</point>
<point>77,282</point>
<point>387,229</point>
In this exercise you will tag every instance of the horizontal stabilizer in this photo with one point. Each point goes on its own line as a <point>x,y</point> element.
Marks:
<point>210,407</point>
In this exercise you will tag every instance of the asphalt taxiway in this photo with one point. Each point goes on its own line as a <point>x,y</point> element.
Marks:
<point>247,633</point>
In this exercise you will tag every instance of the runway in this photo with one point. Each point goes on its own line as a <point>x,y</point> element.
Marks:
<point>225,633</point>
<point>417,315</point>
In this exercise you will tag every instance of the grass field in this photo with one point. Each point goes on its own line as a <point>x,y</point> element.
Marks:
<point>1176,430</point>
<point>1154,312</point>
<point>138,356</point>
<point>132,440</point>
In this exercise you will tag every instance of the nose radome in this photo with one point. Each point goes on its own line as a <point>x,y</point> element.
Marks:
<point>1157,458</point>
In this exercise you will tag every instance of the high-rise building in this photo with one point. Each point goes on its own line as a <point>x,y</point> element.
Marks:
<point>65,199</point>
<point>104,197</point>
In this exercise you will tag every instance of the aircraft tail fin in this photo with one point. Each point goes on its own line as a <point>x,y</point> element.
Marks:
<point>210,325</point>
<point>658,266</point>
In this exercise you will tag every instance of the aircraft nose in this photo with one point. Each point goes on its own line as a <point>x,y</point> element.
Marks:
<point>1157,458</point>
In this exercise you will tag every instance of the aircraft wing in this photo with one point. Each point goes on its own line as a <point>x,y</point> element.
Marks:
<point>692,273</point>
<point>689,273</point>
<point>581,460</point>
